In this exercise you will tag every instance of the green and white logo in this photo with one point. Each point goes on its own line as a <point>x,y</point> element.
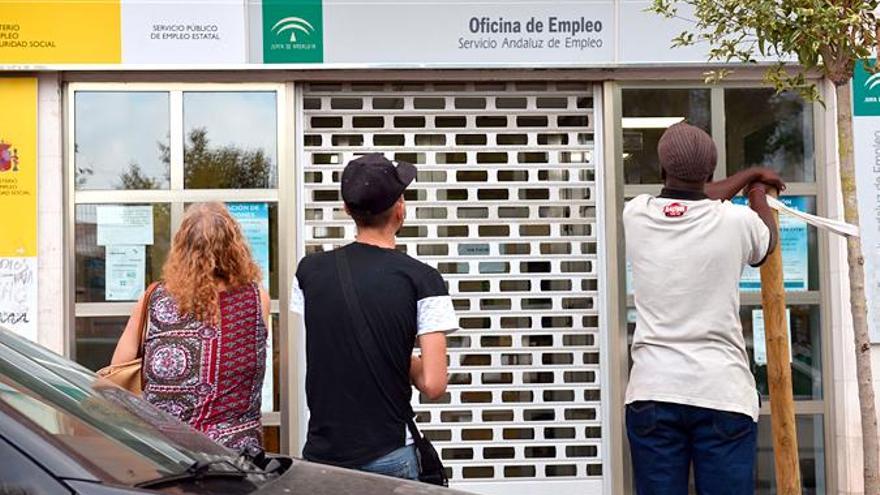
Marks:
<point>293,24</point>
<point>866,89</point>
<point>872,82</point>
<point>293,31</point>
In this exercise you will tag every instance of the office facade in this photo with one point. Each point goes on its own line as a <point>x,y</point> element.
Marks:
<point>528,142</point>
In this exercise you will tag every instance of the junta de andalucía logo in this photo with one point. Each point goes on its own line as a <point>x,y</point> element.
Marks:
<point>293,24</point>
<point>872,81</point>
<point>293,31</point>
<point>8,157</point>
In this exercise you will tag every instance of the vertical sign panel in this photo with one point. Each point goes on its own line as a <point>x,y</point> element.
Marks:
<point>293,31</point>
<point>18,201</point>
<point>59,32</point>
<point>866,146</point>
<point>254,221</point>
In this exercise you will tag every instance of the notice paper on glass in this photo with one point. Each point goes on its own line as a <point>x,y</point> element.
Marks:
<point>795,250</point>
<point>130,225</point>
<point>254,221</point>
<point>124,269</point>
<point>759,335</point>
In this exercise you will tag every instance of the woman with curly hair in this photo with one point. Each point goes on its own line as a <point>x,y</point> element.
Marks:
<point>205,347</point>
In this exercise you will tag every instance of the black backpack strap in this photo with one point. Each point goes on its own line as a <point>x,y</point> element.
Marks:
<point>418,439</point>
<point>431,468</point>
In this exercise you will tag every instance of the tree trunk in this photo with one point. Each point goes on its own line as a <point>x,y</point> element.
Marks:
<point>870,450</point>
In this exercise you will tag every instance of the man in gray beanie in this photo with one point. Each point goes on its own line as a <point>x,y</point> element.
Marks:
<point>691,397</point>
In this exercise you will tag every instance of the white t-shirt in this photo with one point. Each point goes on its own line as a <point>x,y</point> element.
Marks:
<point>687,259</point>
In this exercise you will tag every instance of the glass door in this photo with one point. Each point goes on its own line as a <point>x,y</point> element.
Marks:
<point>753,126</point>
<point>139,154</point>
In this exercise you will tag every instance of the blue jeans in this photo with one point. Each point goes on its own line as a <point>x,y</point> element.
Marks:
<point>402,463</point>
<point>665,439</point>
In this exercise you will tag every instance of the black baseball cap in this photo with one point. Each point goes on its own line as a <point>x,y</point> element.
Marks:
<point>372,183</point>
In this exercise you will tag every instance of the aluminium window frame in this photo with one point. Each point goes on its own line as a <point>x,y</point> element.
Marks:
<point>176,196</point>
<point>820,297</point>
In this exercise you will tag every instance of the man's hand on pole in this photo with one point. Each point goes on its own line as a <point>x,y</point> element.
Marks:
<point>768,177</point>
<point>757,194</point>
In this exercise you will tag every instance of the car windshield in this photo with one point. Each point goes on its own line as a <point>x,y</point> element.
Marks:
<point>115,434</point>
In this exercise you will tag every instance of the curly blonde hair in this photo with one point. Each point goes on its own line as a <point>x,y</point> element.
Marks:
<point>208,251</point>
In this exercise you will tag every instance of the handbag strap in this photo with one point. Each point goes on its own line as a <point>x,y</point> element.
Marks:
<point>145,317</point>
<point>360,321</point>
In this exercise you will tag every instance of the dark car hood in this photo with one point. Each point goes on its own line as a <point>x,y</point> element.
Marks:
<point>308,478</point>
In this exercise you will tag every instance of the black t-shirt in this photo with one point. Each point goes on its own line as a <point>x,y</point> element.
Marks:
<point>352,420</point>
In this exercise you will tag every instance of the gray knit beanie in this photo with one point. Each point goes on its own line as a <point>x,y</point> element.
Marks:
<point>687,153</point>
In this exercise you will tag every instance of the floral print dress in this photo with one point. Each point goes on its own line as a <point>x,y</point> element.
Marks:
<point>209,376</point>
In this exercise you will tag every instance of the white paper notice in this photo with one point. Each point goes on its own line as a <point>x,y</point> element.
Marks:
<point>124,272</point>
<point>759,335</point>
<point>126,225</point>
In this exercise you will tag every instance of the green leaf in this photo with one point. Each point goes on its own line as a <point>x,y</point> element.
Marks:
<point>802,30</point>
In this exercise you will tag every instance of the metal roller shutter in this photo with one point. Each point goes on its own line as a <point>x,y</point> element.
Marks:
<point>505,207</point>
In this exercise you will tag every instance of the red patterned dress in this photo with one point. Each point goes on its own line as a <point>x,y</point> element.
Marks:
<point>210,377</point>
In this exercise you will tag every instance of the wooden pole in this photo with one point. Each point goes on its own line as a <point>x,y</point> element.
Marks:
<point>782,419</point>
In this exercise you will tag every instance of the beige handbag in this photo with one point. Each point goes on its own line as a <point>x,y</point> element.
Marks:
<point>129,375</point>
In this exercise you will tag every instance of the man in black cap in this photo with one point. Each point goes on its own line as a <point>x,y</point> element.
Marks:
<point>365,305</point>
<point>691,397</point>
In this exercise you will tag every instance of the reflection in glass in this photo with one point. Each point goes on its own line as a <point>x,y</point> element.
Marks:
<point>811,453</point>
<point>121,140</point>
<point>806,351</point>
<point>90,257</point>
<point>769,129</point>
<point>647,113</point>
<point>811,450</point>
<point>276,364</point>
<point>272,439</point>
<point>274,276</point>
<point>96,340</point>
<point>230,140</point>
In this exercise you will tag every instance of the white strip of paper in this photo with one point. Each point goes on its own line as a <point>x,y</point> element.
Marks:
<point>835,226</point>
